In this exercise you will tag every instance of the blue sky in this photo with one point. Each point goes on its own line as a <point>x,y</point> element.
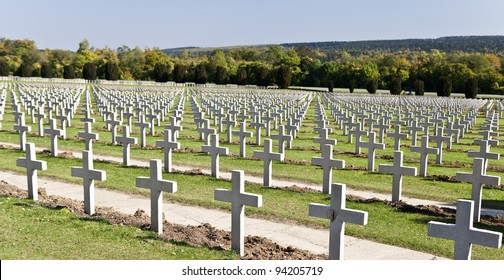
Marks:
<point>167,24</point>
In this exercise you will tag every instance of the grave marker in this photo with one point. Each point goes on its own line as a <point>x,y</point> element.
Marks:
<point>215,151</point>
<point>463,232</point>
<point>31,164</point>
<point>168,145</point>
<point>397,170</point>
<point>338,214</point>
<point>267,156</point>
<point>126,141</point>
<point>88,174</point>
<point>327,163</point>
<point>238,199</point>
<point>156,186</point>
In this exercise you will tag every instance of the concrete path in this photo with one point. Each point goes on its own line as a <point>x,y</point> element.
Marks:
<point>301,237</point>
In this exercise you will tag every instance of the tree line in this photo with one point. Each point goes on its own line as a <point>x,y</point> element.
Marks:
<point>397,71</point>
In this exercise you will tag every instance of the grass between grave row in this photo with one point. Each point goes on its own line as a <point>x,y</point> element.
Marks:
<point>386,224</point>
<point>297,167</point>
<point>30,231</point>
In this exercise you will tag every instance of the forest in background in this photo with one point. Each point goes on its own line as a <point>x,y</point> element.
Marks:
<point>472,65</point>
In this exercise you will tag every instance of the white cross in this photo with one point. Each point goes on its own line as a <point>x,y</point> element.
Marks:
<point>88,174</point>
<point>424,151</point>
<point>215,151</point>
<point>88,136</point>
<point>338,214</point>
<point>126,141</point>
<point>22,129</point>
<point>463,232</point>
<point>156,186</point>
<point>143,125</point>
<point>484,153</point>
<point>113,123</point>
<point>32,165</point>
<point>54,136</point>
<point>327,163</point>
<point>238,199</point>
<point>397,170</point>
<point>168,145</point>
<point>372,146</point>
<point>282,137</point>
<point>323,138</point>
<point>439,139</point>
<point>478,178</point>
<point>397,135</point>
<point>243,133</point>
<point>267,156</point>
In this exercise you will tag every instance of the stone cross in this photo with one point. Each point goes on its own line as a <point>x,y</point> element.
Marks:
<point>88,174</point>
<point>257,124</point>
<point>174,128</point>
<point>463,232</point>
<point>372,146</point>
<point>215,151</point>
<point>143,125</point>
<point>338,214</point>
<point>126,141</point>
<point>54,136</point>
<point>397,135</point>
<point>451,131</point>
<point>152,117</point>
<point>327,163</point>
<point>156,186</point>
<point>40,119</point>
<point>397,170</point>
<point>487,135</point>
<point>439,139</point>
<point>323,138</point>
<point>206,131</point>
<point>88,136</point>
<point>31,164</point>
<point>238,199</point>
<point>484,153</point>
<point>382,127</point>
<point>22,129</point>
<point>113,123</point>
<point>413,129</point>
<point>243,134</point>
<point>64,120</point>
<point>230,123</point>
<point>168,145</point>
<point>359,132</point>
<point>282,137</point>
<point>478,178</point>
<point>267,156</point>
<point>424,151</point>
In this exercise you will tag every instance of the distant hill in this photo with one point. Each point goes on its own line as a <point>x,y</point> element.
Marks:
<point>482,44</point>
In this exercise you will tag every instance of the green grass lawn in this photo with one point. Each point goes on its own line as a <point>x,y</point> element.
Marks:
<point>32,232</point>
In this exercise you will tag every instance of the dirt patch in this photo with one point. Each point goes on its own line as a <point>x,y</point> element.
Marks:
<point>256,248</point>
<point>442,178</point>
<point>296,162</point>
<point>296,188</point>
<point>187,150</point>
<point>60,154</point>
<point>195,171</point>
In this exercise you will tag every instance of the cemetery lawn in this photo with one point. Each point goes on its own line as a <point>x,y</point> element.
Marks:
<point>386,224</point>
<point>30,231</point>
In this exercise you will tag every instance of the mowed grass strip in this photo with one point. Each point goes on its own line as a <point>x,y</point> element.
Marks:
<point>386,224</point>
<point>32,232</point>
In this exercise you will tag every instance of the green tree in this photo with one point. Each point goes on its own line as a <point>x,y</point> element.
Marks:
<point>444,86</point>
<point>46,70</point>
<point>284,76</point>
<point>471,88</point>
<point>112,71</point>
<point>4,67</point>
<point>241,76</point>
<point>179,73</point>
<point>351,85</point>
<point>200,74</point>
<point>221,75</point>
<point>68,72</point>
<point>161,73</point>
<point>418,86</point>
<point>395,86</point>
<point>262,74</point>
<point>372,85</point>
<point>89,71</point>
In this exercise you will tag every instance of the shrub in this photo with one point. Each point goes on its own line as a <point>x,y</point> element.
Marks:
<point>418,86</point>
<point>372,85</point>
